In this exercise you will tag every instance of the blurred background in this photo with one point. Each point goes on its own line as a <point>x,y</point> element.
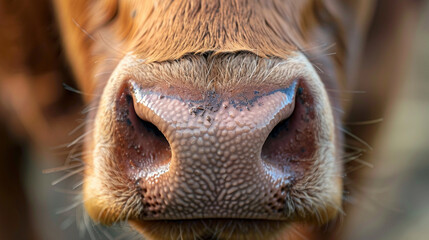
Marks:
<point>392,202</point>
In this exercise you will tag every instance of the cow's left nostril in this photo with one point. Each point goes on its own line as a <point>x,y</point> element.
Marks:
<point>291,143</point>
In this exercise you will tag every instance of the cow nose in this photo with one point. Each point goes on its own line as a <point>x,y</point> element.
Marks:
<point>200,155</point>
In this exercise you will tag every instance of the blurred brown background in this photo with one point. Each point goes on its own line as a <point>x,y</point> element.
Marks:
<point>392,203</point>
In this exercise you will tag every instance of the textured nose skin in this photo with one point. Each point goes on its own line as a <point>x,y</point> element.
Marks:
<point>216,168</point>
<point>235,145</point>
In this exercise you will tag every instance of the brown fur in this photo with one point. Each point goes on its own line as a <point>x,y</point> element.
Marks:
<point>265,28</point>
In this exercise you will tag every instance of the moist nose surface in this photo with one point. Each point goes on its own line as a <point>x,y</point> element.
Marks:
<point>213,166</point>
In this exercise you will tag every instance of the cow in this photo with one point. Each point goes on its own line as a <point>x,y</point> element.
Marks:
<point>212,119</point>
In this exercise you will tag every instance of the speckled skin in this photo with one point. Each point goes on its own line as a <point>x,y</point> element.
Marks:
<point>216,163</point>
<point>177,153</point>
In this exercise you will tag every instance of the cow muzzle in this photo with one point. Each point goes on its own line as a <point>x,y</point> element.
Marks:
<point>250,151</point>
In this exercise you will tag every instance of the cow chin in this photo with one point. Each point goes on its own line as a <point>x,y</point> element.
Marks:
<point>214,146</point>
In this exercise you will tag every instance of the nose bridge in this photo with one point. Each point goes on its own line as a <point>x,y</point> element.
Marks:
<point>219,145</point>
<point>219,137</point>
<point>216,156</point>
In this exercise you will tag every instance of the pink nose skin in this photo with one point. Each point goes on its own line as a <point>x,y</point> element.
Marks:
<point>216,155</point>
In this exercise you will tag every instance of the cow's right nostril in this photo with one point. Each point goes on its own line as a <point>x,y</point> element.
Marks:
<point>148,129</point>
<point>141,144</point>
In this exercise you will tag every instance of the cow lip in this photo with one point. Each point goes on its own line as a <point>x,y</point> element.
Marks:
<point>211,228</point>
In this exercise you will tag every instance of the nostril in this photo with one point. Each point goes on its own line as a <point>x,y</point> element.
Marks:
<point>277,147</point>
<point>142,124</point>
<point>142,147</point>
<point>277,130</point>
<point>291,143</point>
